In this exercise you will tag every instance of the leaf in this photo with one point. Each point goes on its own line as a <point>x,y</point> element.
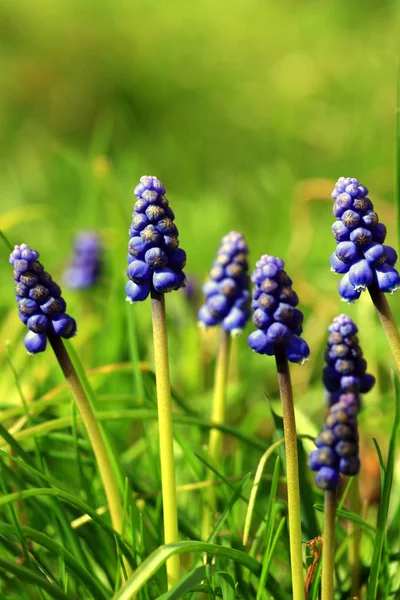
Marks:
<point>156,560</point>
<point>310,527</point>
<point>32,578</point>
<point>346,514</point>
<point>40,538</point>
<point>380,533</point>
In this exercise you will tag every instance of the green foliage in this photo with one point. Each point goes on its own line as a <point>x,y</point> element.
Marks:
<point>243,111</point>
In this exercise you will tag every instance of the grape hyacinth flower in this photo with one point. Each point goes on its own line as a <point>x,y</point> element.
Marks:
<point>361,256</point>
<point>276,317</point>
<point>227,304</point>
<point>155,267</point>
<point>42,309</point>
<point>337,445</point>
<point>227,291</point>
<point>345,372</point>
<point>155,260</point>
<point>40,304</point>
<point>85,267</point>
<point>279,325</point>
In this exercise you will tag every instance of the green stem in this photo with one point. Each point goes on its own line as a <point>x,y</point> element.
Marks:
<point>328,548</point>
<point>217,416</point>
<point>164,405</point>
<point>354,532</point>
<point>93,429</point>
<point>292,471</point>
<point>388,323</point>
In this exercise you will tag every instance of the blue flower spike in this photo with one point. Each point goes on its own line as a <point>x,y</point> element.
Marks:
<point>345,370</point>
<point>155,261</point>
<point>276,317</point>
<point>360,256</point>
<point>345,378</point>
<point>337,445</point>
<point>85,267</point>
<point>40,304</point>
<point>227,290</point>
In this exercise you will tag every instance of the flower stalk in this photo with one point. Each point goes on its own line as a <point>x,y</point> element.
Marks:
<point>89,419</point>
<point>217,416</point>
<point>387,320</point>
<point>328,548</point>
<point>164,405</point>
<point>292,471</point>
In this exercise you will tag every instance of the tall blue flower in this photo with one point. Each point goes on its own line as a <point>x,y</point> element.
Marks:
<point>85,266</point>
<point>227,291</point>
<point>276,317</point>
<point>155,260</point>
<point>337,445</point>
<point>345,370</point>
<point>40,304</point>
<point>361,256</point>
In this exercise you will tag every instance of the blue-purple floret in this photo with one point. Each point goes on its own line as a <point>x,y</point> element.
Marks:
<point>85,267</point>
<point>345,370</point>
<point>345,378</point>
<point>361,256</point>
<point>155,261</point>
<point>276,317</point>
<point>337,445</point>
<point>40,304</point>
<point>227,290</point>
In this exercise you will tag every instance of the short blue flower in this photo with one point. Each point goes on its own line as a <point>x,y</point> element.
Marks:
<point>361,256</point>
<point>278,321</point>
<point>227,291</point>
<point>40,304</point>
<point>155,261</point>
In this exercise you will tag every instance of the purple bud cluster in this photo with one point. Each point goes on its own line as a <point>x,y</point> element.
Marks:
<point>360,255</point>
<point>345,370</point>
<point>155,260</point>
<point>345,378</point>
<point>40,304</point>
<point>337,445</point>
<point>227,291</point>
<point>85,267</point>
<point>276,317</point>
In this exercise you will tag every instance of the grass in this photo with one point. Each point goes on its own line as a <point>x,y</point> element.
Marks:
<point>248,114</point>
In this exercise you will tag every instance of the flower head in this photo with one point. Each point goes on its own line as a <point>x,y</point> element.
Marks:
<point>85,267</point>
<point>227,291</point>
<point>40,304</point>
<point>155,261</point>
<point>345,371</point>
<point>337,445</point>
<point>276,317</point>
<point>361,256</point>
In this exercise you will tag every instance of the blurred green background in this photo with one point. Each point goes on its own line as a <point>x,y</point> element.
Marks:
<point>248,111</point>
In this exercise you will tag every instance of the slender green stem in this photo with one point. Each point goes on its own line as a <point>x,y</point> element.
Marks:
<point>354,531</point>
<point>328,548</point>
<point>388,323</point>
<point>93,429</point>
<point>292,471</point>
<point>217,416</point>
<point>164,404</point>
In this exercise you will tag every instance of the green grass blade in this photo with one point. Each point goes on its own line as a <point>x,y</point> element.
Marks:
<point>373,581</point>
<point>74,501</point>
<point>346,514</point>
<point>92,584</point>
<point>156,560</point>
<point>23,574</point>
